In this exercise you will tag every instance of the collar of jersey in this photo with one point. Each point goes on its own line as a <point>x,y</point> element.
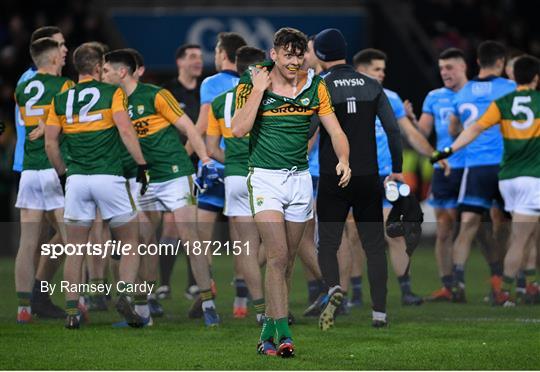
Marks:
<point>85,80</point>
<point>230,72</point>
<point>487,78</point>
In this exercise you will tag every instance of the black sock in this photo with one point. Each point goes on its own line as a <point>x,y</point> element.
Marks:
<point>356,284</point>
<point>241,288</point>
<point>458,275</point>
<point>405,284</point>
<point>521,280</point>
<point>313,290</point>
<point>37,295</point>
<point>166,262</point>
<point>447,281</point>
<point>496,268</point>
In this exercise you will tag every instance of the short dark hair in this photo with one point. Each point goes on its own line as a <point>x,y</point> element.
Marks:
<point>290,37</point>
<point>526,68</point>
<point>139,59</point>
<point>123,57</point>
<point>365,56</point>
<point>41,46</point>
<point>246,56</point>
<point>230,42</point>
<point>46,31</point>
<point>87,56</point>
<point>181,51</point>
<point>489,52</point>
<point>452,53</point>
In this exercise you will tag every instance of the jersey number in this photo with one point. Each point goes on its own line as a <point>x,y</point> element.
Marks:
<point>227,115</point>
<point>83,113</point>
<point>518,107</point>
<point>473,113</point>
<point>29,110</point>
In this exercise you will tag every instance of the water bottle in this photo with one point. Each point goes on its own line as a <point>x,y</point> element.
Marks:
<point>391,191</point>
<point>404,189</point>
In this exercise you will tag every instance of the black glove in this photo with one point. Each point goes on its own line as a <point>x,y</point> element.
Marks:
<point>143,177</point>
<point>63,179</point>
<point>2,127</point>
<point>440,155</point>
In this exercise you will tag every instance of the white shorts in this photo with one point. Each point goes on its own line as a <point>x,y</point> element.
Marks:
<point>40,189</point>
<point>521,195</point>
<point>85,193</point>
<point>236,197</point>
<point>288,192</point>
<point>167,196</point>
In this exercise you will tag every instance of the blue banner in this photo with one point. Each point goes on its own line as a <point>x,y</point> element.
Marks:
<point>158,34</point>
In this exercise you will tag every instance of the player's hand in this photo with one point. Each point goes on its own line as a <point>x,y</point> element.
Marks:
<point>260,77</point>
<point>209,173</point>
<point>37,132</point>
<point>409,110</point>
<point>2,127</point>
<point>445,166</point>
<point>143,177</point>
<point>398,177</point>
<point>344,171</point>
<point>440,155</point>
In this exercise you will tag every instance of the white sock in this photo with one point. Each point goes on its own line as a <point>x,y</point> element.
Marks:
<point>143,310</point>
<point>27,308</point>
<point>208,304</point>
<point>377,315</point>
<point>240,301</point>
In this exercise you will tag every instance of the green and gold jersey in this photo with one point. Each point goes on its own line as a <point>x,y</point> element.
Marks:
<point>519,116</point>
<point>219,124</point>
<point>34,98</point>
<point>279,137</point>
<point>85,113</point>
<point>153,110</point>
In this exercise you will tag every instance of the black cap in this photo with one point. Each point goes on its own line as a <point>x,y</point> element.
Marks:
<point>330,45</point>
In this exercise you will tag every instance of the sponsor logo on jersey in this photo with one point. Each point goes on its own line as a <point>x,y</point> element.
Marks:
<point>349,82</point>
<point>268,101</point>
<point>481,88</point>
<point>174,168</point>
<point>289,109</point>
<point>141,127</point>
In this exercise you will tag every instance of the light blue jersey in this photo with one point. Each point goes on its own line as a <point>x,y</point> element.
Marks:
<point>212,87</point>
<point>19,125</point>
<point>384,159</point>
<point>470,103</point>
<point>313,158</point>
<point>439,104</point>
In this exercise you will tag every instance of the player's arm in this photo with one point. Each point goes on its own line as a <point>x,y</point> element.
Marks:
<point>129,136</point>
<point>391,128</point>
<point>201,125</point>
<point>340,143</point>
<point>313,140</point>
<point>415,138</point>
<point>491,117</point>
<point>246,109</point>
<point>213,138</point>
<point>52,142</point>
<point>425,124</point>
<point>455,127</point>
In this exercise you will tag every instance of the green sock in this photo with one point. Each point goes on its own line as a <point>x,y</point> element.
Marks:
<point>71,307</point>
<point>268,329</point>
<point>259,305</point>
<point>140,299</point>
<point>282,328</point>
<point>24,298</point>
<point>508,283</point>
<point>530,276</point>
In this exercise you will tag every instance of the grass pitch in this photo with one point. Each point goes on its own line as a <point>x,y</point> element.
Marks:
<point>432,336</point>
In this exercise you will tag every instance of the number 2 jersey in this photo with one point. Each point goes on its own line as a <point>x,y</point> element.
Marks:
<point>85,113</point>
<point>469,104</point>
<point>34,98</point>
<point>519,116</point>
<point>152,110</point>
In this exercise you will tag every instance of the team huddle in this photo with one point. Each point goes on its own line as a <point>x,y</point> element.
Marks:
<point>296,150</point>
